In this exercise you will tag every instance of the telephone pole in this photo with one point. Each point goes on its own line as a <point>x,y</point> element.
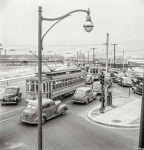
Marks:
<point>88,57</point>
<point>93,55</point>
<point>114,53</point>
<point>123,60</point>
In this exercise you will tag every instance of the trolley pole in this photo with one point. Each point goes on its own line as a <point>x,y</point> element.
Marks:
<point>141,131</point>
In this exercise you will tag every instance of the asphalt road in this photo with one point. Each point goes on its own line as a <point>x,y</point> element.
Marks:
<point>74,131</point>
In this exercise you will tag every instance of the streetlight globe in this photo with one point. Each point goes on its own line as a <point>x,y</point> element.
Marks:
<point>88,26</point>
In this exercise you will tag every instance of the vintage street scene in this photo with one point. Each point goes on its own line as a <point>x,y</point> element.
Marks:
<point>71,75</point>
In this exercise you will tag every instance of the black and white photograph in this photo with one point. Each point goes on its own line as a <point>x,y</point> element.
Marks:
<point>71,74</point>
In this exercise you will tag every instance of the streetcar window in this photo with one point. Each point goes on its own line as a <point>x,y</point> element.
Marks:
<point>60,83</point>
<point>36,86</point>
<point>57,84</point>
<point>32,86</point>
<point>27,85</point>
<point>44,87</point>
<point>66,82</point>
<point>53,85</point>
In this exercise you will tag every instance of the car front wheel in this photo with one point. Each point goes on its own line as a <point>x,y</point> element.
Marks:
<point>134,91</point>
<point>63,112</point>
<point>43,119</point>
<point>87,101</point>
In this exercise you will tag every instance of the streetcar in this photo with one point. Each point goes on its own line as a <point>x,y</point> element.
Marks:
<point>55,85</point>
<point>94,70</point>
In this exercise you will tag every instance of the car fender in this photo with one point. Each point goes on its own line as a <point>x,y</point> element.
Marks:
<point>60,108</point>
<point>43,115</point>
<point>134,88</point>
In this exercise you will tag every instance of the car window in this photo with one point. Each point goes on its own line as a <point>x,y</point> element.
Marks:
<point>47,105</point>
<point>88,92</point>
<point>79,92</point>
<point>11,90</point>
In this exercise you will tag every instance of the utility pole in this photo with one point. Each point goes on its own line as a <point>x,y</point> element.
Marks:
<point>94,55</point>
<point>88,57</point>
<point>35,63</point>
<point>83,58</point>
<point>0,48</point>
<point>77,58</point>
<point>107,43</point>
<point>5,51</point>
<point>114,53</point>
<point>110,60</point>
<point>123,60</point>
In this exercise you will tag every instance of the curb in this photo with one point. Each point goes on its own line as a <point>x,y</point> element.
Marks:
<point>136,126</point>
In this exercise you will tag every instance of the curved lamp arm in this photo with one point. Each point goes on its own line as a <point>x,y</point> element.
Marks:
<point>79,10</point>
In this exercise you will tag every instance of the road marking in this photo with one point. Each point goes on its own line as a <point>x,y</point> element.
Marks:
<point>9,118</point>
<point>68,101</point>
<point>12,110</point>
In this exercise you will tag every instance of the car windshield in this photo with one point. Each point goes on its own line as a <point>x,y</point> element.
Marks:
<point>79,92</point>
<point>29,106</point>
<point>127,79</point>
<point>11,90</point>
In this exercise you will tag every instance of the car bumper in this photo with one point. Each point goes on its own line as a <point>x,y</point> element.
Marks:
<point>125,84</point>
<point>8,102</point>
<point>26,121</point>
<point>78,101</point>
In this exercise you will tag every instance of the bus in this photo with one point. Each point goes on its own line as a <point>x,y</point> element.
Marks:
<point>95,72</point>
<point>55,85</point>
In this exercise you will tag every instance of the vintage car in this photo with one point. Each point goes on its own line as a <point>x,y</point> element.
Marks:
<point>97,87</point>
<point>12,95</point>
<point>89,79</point>
<point>137,88</point>
<point>108,81</point>
<point>50,109</point>
<point>84,95</point>
<point>125,81</point>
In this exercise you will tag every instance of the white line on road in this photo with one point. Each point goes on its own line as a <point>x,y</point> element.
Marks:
<point>11,111</point>
<point>68,101</point>
<point>9,118</point>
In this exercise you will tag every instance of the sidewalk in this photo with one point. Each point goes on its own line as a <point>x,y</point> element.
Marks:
<point>124,112</point>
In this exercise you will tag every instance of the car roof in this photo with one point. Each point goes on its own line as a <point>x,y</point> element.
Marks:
<point>44,101</point>
<point>16,87</point>
<point>83,88</point>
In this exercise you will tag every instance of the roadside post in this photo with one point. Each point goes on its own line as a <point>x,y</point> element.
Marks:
<point>102,94</point>
<point>141,131</point>
<point>129,90</point>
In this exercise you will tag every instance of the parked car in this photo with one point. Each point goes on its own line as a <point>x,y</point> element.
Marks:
<point>89,78</point>
<point>137,88</point>
<point>108,81</point>
<point>97,87</point>
<point>125,81</point>
<point>12,95</point>
<point>50,109</point>
<point>84,95</point>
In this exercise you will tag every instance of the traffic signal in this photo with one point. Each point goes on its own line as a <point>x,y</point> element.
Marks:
<point>101,78</point>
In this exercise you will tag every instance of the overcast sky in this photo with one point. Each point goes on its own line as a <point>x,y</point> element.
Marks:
<point>122,19</point>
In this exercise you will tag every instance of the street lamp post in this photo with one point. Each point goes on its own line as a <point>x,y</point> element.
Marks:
<point>88,26</point>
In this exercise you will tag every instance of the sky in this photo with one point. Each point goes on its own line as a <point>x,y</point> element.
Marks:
<point>122,19</point>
